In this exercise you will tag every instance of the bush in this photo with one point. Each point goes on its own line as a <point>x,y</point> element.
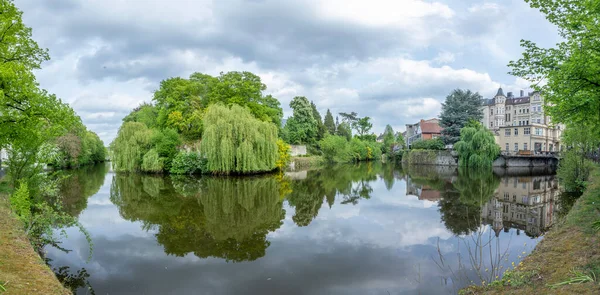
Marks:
<point>573,171</point>
<point>338,149</point>
<point>188,163</point>
<point>152,162</point>
<point>334,149</point>
<point>429,144</point>
<point>283,149</point>
<point>165,143</point>
<point>20,202</point>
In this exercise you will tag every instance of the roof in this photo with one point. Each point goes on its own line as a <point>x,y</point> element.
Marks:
<point>518,100</point>
<point>500,92</point>
<point>431,126</point>
<point>487,102</point>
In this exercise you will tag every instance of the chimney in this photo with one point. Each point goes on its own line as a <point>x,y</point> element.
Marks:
<point>522,93</point>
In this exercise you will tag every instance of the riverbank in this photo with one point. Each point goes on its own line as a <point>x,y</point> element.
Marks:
<point>22,271</point>
<point>306,163</point>
<point>569,251</point>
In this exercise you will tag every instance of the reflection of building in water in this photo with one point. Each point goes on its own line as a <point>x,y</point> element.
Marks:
<point>524,203</point>
<point>423,192</point>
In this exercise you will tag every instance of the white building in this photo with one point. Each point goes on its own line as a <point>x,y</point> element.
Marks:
<point>520,123</point>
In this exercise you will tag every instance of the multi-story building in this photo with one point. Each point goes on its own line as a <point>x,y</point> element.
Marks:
<point>525,203</point>
<point>520,123</point>
<point>423,130</point>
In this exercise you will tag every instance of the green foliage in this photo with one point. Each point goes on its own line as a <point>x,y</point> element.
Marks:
<point>165,142</point>
<point>329,123</point>
<point>301,128</point>
<point>573,171</point>
<point>145,113</point>
<point>181,103</point>
<point>235,142</point>
<point>567,75</point>
<point>21,203</point>
<point>132,143</point>
<point>221,217</point>
<point>578,277</point>
<point>320,127</point>
<point>78,148</point>
<point>429,144</point>
<point>343,129</point>
<point>152,162</point>
<point>477,147</point>
<point>362,126</point>
<point>460,107</point>
<point>188,163</point>
<point>334,148</point>
<point>338,149</point>
<point>389,140</point>
<point>284,156</point>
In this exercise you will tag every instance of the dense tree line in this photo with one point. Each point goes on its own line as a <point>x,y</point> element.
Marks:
<point>36,128</point>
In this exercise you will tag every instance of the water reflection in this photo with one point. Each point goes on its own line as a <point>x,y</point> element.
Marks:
<point>227,218</point>
<point>79,185</point>
<point>352,229</point>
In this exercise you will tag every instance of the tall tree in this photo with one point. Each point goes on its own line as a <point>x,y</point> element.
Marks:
<point>477,147</point>
<point>236,142</point>
<point>567,75</point>
<point>320,127</point>
<point>329,123</point>
<point>389,139</point>
<point>460,107</point>
<point>363,126</point>
<point>301,128</point>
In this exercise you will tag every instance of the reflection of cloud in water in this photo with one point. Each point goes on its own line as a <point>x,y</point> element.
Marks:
<point>382,242</point>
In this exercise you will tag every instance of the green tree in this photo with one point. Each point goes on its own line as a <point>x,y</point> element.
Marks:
<point>320,127</point>
<point>389,140</point>
<point>343,129</point>
<point>477,146</point>
<point>461,106</point>
<point>302,127</point>
<point>363,126</point>
<point>144,113</point>
<point>569,72</point>
<point>329,123</point>
<point>128,149</point>
<point>236,142</point>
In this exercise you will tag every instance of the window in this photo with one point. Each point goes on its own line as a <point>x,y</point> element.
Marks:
<point>507,132</point>
<point>539,131</point>
<point>491,111</point>
<point>516,150</point>
<point>526,130</point>
<point>514,198</point>
<point>528,110</point>
<point>527,122</point>
<point>507,147</point>
<point>539,121</point>
<point>517,131</point>
<point>491,124</point>
<point>525,146</point>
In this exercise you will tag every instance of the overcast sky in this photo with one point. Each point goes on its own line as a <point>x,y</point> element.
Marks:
<point>394,61</point>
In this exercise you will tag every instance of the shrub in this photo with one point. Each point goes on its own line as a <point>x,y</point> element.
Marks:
<point>573,171</point>
<point>152,162</point>
<point>283,149</point>
<point>21,203</point>
<point>188,163</point>
<point>334,148</point>
<point>428,144</point>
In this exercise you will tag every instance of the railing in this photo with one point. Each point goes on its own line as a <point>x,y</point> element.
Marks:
<point>529,153</point>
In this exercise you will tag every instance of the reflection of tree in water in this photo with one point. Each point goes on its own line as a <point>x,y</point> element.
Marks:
<point>80,184</point>
<point>461,204</point>
<point>351,182</point>
<point>211,217</point>
<point>72,280</point>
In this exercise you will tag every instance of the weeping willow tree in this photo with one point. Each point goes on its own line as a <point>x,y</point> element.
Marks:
<point>477,147</point>
<point>236,142</point>
<point>131,144</point>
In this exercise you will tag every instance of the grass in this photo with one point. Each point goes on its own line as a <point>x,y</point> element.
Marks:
<point>19,263</point>
<point>307,162</point>
<point>566,261</point>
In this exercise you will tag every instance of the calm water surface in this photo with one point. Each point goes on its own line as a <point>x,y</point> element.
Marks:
<point>365,229</point>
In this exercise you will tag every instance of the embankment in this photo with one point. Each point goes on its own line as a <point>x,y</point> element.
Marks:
<point>573,245</point>
<point>429,157</point>
<point>22,271</point>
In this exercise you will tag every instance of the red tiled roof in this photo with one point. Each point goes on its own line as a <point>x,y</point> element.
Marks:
<point>431,126</point>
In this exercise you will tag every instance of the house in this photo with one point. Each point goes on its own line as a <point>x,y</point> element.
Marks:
<point>520,123</point>
<point>423,130</point>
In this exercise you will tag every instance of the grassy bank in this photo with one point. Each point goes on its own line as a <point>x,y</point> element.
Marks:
<point>22,271</point>
<point>566,261</point>
<point>307,163</point>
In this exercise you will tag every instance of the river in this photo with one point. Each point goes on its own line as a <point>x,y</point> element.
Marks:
<point>351,229</point>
